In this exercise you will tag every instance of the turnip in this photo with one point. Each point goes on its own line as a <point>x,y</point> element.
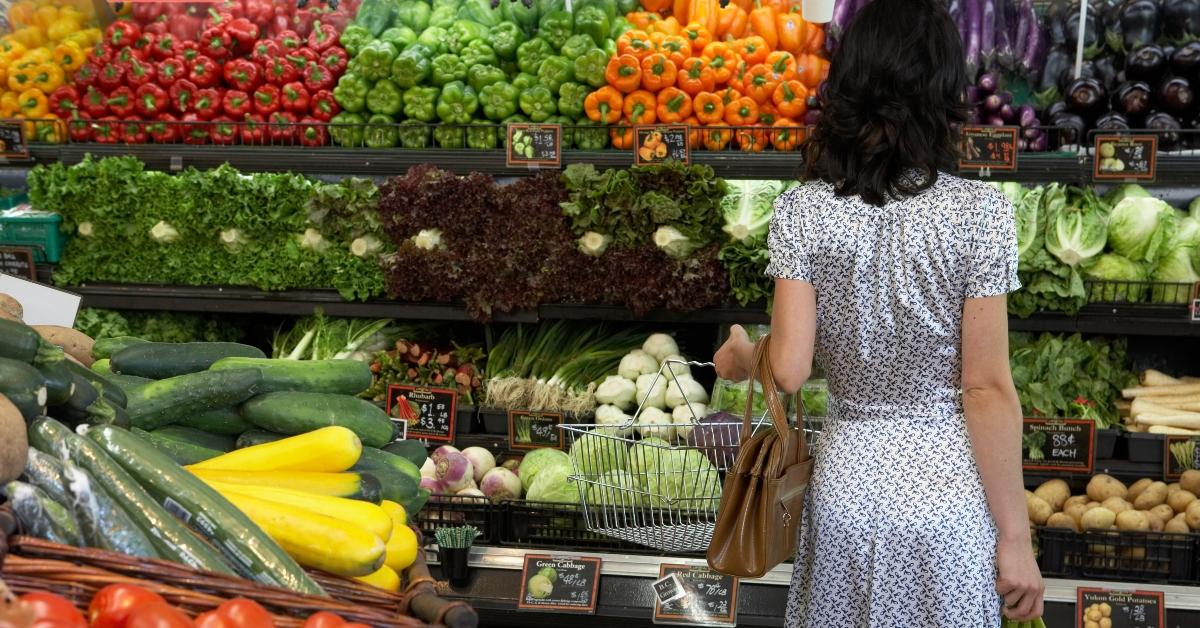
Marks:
<point>443,450</point>
<point>481,459</point>
<point>655,422</point>
<point>427,469</point>
<point>432,485</point>
<point>470,492</point>
<point>454,471</point>
<point>499,484</point>
<point>636,363</point>
<point>651,391</point>
<point>513,464</point>
<point>617,391</point>
<point>660,346</point>
<point>683,390</point>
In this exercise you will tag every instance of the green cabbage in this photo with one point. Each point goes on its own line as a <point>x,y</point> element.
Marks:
<point>594,455</point>
<point>615,488</point>
<point>1111,267</point>
<point>1140,227</point>
<point>1194,208</point>
<point>552,484</point>
<point>1129,190</point>
<point>1077,232</point>
<point>1179,264</point>
<point>748,207</point>
<point>538,460</point>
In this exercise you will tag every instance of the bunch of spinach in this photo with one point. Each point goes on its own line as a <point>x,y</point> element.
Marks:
<point>1069,377</point>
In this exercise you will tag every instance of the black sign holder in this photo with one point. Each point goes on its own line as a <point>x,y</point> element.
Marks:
<point>567,584</point>
<point>709,598</point>
<point>1123,609</point>
<point>655,144</point>
<point>428,413</point>
<point>533,146</point>
<point>534,430</point>
<point>1136,154</point>
<point>1172,469</point>
<point>1069,448</point>
<point>12,141</point>
<point>987,148</point>
<point>18,262</point>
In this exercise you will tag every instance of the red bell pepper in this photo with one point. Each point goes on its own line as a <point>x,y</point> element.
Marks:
<point>107,130</point>
<point>335,59</point>
<point>259,11</point>
<point>145,42</point>
<point>324,106</point>
<point>280,71</point>
<point>126,56</point>
<point>236,103</point>
<point>186,26</point>
<point>242,74</point>
<point>208,103</point>
<point>265,50</point>
<point>111,76</point>
<point>322,37</point>
<point>192,129</point>
<point>164,129</point>
<point>295,98</point>
<point>317,78</point>
<point>95,103</point>
<point>217,43</point>
<point>158,27</point>
<point>147,12</point>
<point>266,99</point>
<point>152,100</point>
<point>223,131</point>
<point>203,71</point>
<point>303,20</point>
<point>290,40</point>
<point>236,8</point>
<point>140,73</point>
<point>216,19</point>
<point>164,48</point>
<point>189,50</point>
<point>254,129</point>
<point>79,127</point>
<point>313,132</point>
<point>282,127</point>
<point>122,101</point>
<point>183,96</point>
<point>64,101</point>
<point>133,131</point>
<point>281,21</point>
<point>169,71</point>
<point>86,75</point>
<point>301,57</point>
<point>122,33</point>
<point>244,33</point>
<point>100,54</point>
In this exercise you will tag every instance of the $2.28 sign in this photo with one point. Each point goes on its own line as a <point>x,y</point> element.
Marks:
<point>428,413</point>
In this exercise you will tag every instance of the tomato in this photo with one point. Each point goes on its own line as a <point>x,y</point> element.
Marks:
<point>52,611</point>
<point>158,615</point>
<point>324,619</point>
<point>111,606</point>
<point>213,619</point>
<point>244,613</point>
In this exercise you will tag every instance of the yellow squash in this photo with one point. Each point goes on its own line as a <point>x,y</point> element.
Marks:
<point>349,485</point>
<point>365,515</point>
<point>329,449</point>
<point>385,579</point>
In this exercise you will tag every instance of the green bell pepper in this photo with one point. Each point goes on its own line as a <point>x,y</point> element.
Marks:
<point>620,26</point>
<point>570,99</point>
<point>414,14</point>
<point>546,6</point>
<point>555,27</point>
<point>448,68</point>
<point>589,67</point>
<point>412,67</point>
<point>420,103</point>
<point>505,37</point>
<point>607,7</point>
<point>374,61</point>
<point>479,11</point>
<point>592,21</point>
<point>457,103</point>
<point>537,102</point>
<point>566,124</point>
<point>463,32</point>
<point>434,38</point>
<point>499,100</point>
<point>524,81</point>
<point>449,136</point>
<point>517,12</point>
<point>381,132</point>
<point>385,98</point>
<point>413,134</point>
<point>346,129</point>
<point>532,53</point>
<point>443,17</point>
<point>576,46</point>
<point>625,7</point>
<point>481,136</point>
<point>450,4</point>
<point>354,38</point>
<point>479,52</point>
<point>375,15</point>
<point>515,118</point>
<point>555,71</point>
<point>590,135</point>
<point>351,92</point>
<point>399,36</point>
<point>480,76</point>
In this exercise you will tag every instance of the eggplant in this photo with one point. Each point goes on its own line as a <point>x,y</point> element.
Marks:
<point>1106,71</point>
<point>812,117</point>
<point>987,33</point>
<point>1091,32</point>
<point>973,12</point>
<point>1036,42</point>
<point>1059,64</point>
<point>1030,133</point>
<point>995,120</point>
<point>1022,145</point>
<point>1005,57</point>
<point>1086,96</point>
<point>1146,63</point>
<point>1167,126</point>
<point>1008,114</point>
<point>972,95</point>
<point>1072,129</point>
<point>1027,116</point>
<point>1181,19</point>
<point>1056,108</point>
<point>1175,95</point>
<point>987,83</point>
<point>1185,61</point>
<point>1055,21</point>
<point>992,103</point>
<point>1020,25</point>
<point>1139,23</point>
<point>1112,121</point>
<point>1039,145</point>
<point>1132,99</point>
<point>973,117</point>
<point>1006,97</point>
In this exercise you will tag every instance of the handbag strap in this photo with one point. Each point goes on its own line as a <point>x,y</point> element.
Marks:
<point>762,372</point>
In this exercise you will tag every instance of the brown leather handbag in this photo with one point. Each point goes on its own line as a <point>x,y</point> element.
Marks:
<point>763,496</point>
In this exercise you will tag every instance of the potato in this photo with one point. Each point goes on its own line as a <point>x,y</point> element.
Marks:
<point>76,343</point>
<point>1093,614</point>
<point>1172,487</point>
<point>1156,524</point>
<point>1133,520</point>
<point>1178,524</point>
<point>1098,519</point>
<point>1101,487</point>
<point>1163,512</point>
<point>1091,624</point>
<point>1039,511</point>
<point>14,446</point>
<point>1180,500</point>
<point>10,308</point>
<point>1062,520</point>
<point>1091,505</point>
<point>1192,515</point>
<point>1078,499</point>
<point>1136,488</point>
<point>1075,511</point>
<point>1190,481</point>
<point>1054,492</point>
<point>1105,609</point>
<point>1105,622</point>
<point>1152,496</point>
<point>1117,505</point>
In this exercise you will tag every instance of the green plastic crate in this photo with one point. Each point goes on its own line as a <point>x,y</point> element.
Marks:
<point>34,229</point>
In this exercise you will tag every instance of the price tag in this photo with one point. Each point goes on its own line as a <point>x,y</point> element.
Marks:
<point>12,141</point>
<point>559,583</point>
<point>1124,158</point>
<point>709,598</point>
<point>1058,445</point>
<point>18,262</point>
<point>988,148</point>
<point>1196,303</point>
<point>1123,609</point>
<point>1179,455</point>
<point>534,145</point>
<point>656,144</point>
<point>534,430</point>
<point>426,413</point>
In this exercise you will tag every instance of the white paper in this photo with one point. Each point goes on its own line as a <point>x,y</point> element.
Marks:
<point>43,305</point>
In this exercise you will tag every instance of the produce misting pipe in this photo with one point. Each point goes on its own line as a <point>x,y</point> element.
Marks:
<point>1083,9</point>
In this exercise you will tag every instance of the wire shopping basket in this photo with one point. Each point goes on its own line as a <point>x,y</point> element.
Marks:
<point>654,482</point>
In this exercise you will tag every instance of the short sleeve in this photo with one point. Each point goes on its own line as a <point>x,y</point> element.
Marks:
<point>785,241</point>
<point>992,267</point>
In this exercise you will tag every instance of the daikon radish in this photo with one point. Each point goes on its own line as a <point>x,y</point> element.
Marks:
<point>1145,405</point>
<point>1188,421</point>
<point>1151,377</point>
<point>1160,391</point>
<point>1189,379</point>
<point>1174,431</point>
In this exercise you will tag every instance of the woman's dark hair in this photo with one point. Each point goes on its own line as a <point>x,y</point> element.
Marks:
<point>894,96</point>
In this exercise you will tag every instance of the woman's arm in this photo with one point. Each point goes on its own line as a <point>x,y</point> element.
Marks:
<point>793,334</point>
<point>993,414</point>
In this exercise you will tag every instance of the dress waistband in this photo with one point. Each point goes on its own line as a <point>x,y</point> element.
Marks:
<point>841,409</point>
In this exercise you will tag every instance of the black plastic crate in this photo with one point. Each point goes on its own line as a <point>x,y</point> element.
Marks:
<point>1118,554</point>
<point>1145,447</point>
<point>559,526</point>
<point>1106,444</point>
<point>450,510</point>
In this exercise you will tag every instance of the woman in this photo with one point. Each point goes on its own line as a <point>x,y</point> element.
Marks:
<point>894,275</point>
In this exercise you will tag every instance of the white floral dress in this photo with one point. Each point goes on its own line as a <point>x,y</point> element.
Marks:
<point>897,531</point>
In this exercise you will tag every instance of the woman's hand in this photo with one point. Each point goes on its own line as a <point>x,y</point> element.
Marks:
<point>733,358</point>
<point>1019,581</point>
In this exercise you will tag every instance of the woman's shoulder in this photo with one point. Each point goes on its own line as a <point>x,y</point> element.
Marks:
<point>802,194</point>
<point>972,195</point>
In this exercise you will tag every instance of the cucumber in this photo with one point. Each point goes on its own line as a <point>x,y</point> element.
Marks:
<point>86,405</point>
<point>107,387</point>
<point>372,458</point>
<point>24,386</point>
<point>411,450</point>
<point>46,472</point>
<point>216,442</point>
<point>182,452</point>
<point>300,412</point>
<point>251,551</point>
<point>160,360</point>
<point>101,366</point>
<point>224,421</point>
<point>104,348</point>
<point>172,540</point>
<point>393,485</point>
<point>41,516</point>
<point>128,383</point>
<point>167,401</point>
<point>343,377</point>
<point>21,342</point>
<point>102,522</point>
<point>251,438</point>
<point>59,382</point>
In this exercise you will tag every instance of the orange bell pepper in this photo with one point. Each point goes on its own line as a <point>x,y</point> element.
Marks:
<point>695,76</point>
<point>767,114</point>
<point>624,72</point>
<point>604,105</point>
<point>752,49</point>
<point>728,95</point>
<point>623,136</point>
<point>642,20</point>
<point>669,26</point>
<point>811,70</point>
<point>695,133</point>
<point>759,83</point>
<point>677,48</point>
<point>791,98</point>
<point>673,105</point>
<point>658,72</point>
<point>705,12</point>
<point>698,35</point>
<point>752,140</point>
<point>717,137</point>
<point>636,43</point>
<point>639,107</point>
<point>741,112</point>
<point>814,39</point>
<point>731,21</point>
<point>652,7</point>
<point>786,135</point>
<point>746,5</point>
<point>762,23</point>
<point>722,61</point>
<point>782,64</point>
<point>708,108</point>
<point>680,10</point>
<point>791,29</point>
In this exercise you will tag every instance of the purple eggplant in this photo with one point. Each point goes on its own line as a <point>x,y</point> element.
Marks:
<point>1038,145</point>
<point>843,11</point>
<point>1072,129</point>
<point>1022,145</point>
<point>987,83</point>
<point>1027,116</point>
<point>972,95</point>
<point>1112,121</point>
<point>987,33</point>
<point>1146,63</point>
<point>1185,61</point>
<point>992,103</point>
<point>1167,126</point>
<point>1086,96</point>
<point>1091,32</point>
<point>974,18</point>
<point>1106,71</point>
<point>974,117</point>
<point>1139,23</point>
<point>1175,95</point>
<point>1008,114</point>
<point>1132,99</point>
<point>1181,19</point>
<point>1020,25</point>
<point>994,120</point>
<point>1006,97</point>
<point>1030,133</point>
<point>1059,64</point>
<point>1056,20</point>
<point>1056,108</point>
<point>1036,44</point>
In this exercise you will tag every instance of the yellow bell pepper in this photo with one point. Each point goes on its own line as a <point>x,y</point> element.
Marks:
<point>33,103</point>
<point>85,38</point>
<point>30,36</point>
<point>48,130</point>
<point>63,27</point>
<point>21,14</point>
<point>21,78</point>
<point>37,55</point>
<point>45,16</point>
<point>48,77</point>
<point>9,105</point>
<point>11,49</point>
<point>69,56</point>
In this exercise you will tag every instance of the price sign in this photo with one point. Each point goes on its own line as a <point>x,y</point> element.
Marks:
<point>426,413</point>
<point>1124,157</point>
<point>534,145</point>
<point>12,141</point>
<point>559,583</point>
<point>18,262</point>
<point>709,598</point>
<point>1179,455</point>
<point>656,144</point>
<point>988,148</point>
<point>1122,609</point>
<point>1196,303</point>
<point>534,430</point>
<point>1058,445</point>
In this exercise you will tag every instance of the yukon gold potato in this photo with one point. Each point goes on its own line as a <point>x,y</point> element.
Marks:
<point>1117,505</point>
<point>1054,492</point>
<point>1077,499</point>
<point>1098,519</point>
<point>1091,505</point>
<point>1152,496</point>
<point>1133,520</point>
<point>1105,622</point>
<point>1192,515</point>
<point>1156,524</point>
<point>1180,500</point>
<point>1102,486</point>
<point>1075,511</point>
<point>1172,487</point>
<point>1063,520</point>
<point>1190,481</point>
<point>1162,511</point>
<point>1178,524</point>
<point>1039,510</point>
<point>1136,488</point>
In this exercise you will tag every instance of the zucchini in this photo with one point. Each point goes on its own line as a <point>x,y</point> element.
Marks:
<point>216,442</point>
<point>182,452</point>
<point>167,401</point>
<point>348,485</point>
<point>46,472</point>
<point>102,521</point>
<point>21,342</point>
<point>160,360</point>
<point>60,385</point>
<point>224,421</point>
<point>104,348</point>
<point>106,386</point>
<point>24,386</point>
<point>101,366</point>
<point>251,438</point>
<point>411,450</point>
<point>172,540</point>
<point>372,458</point>
<point>344,377</point>
<point>369,517</point>
<point>41,516</point>
<point>329,449</point>
<point>247,547</point>
<point>86,405</point>
<point>395,486</point>
<point>299,412</point>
